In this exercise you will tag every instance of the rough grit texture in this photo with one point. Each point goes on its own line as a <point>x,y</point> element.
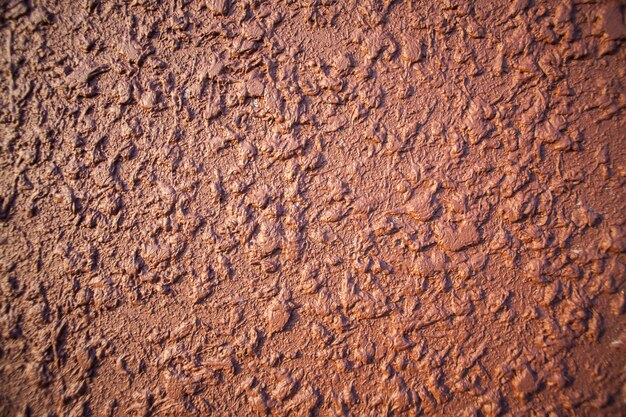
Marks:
<point>321,207</point>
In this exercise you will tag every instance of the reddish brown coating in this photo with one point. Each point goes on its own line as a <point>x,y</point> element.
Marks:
<point>321,207</point>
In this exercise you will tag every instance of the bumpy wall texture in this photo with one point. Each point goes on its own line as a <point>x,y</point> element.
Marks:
<point>322,207</point>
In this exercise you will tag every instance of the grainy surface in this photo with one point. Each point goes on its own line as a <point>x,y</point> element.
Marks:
<point>334,208</point>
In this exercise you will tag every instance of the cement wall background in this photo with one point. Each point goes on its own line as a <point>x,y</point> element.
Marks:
<point>333,208</point>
